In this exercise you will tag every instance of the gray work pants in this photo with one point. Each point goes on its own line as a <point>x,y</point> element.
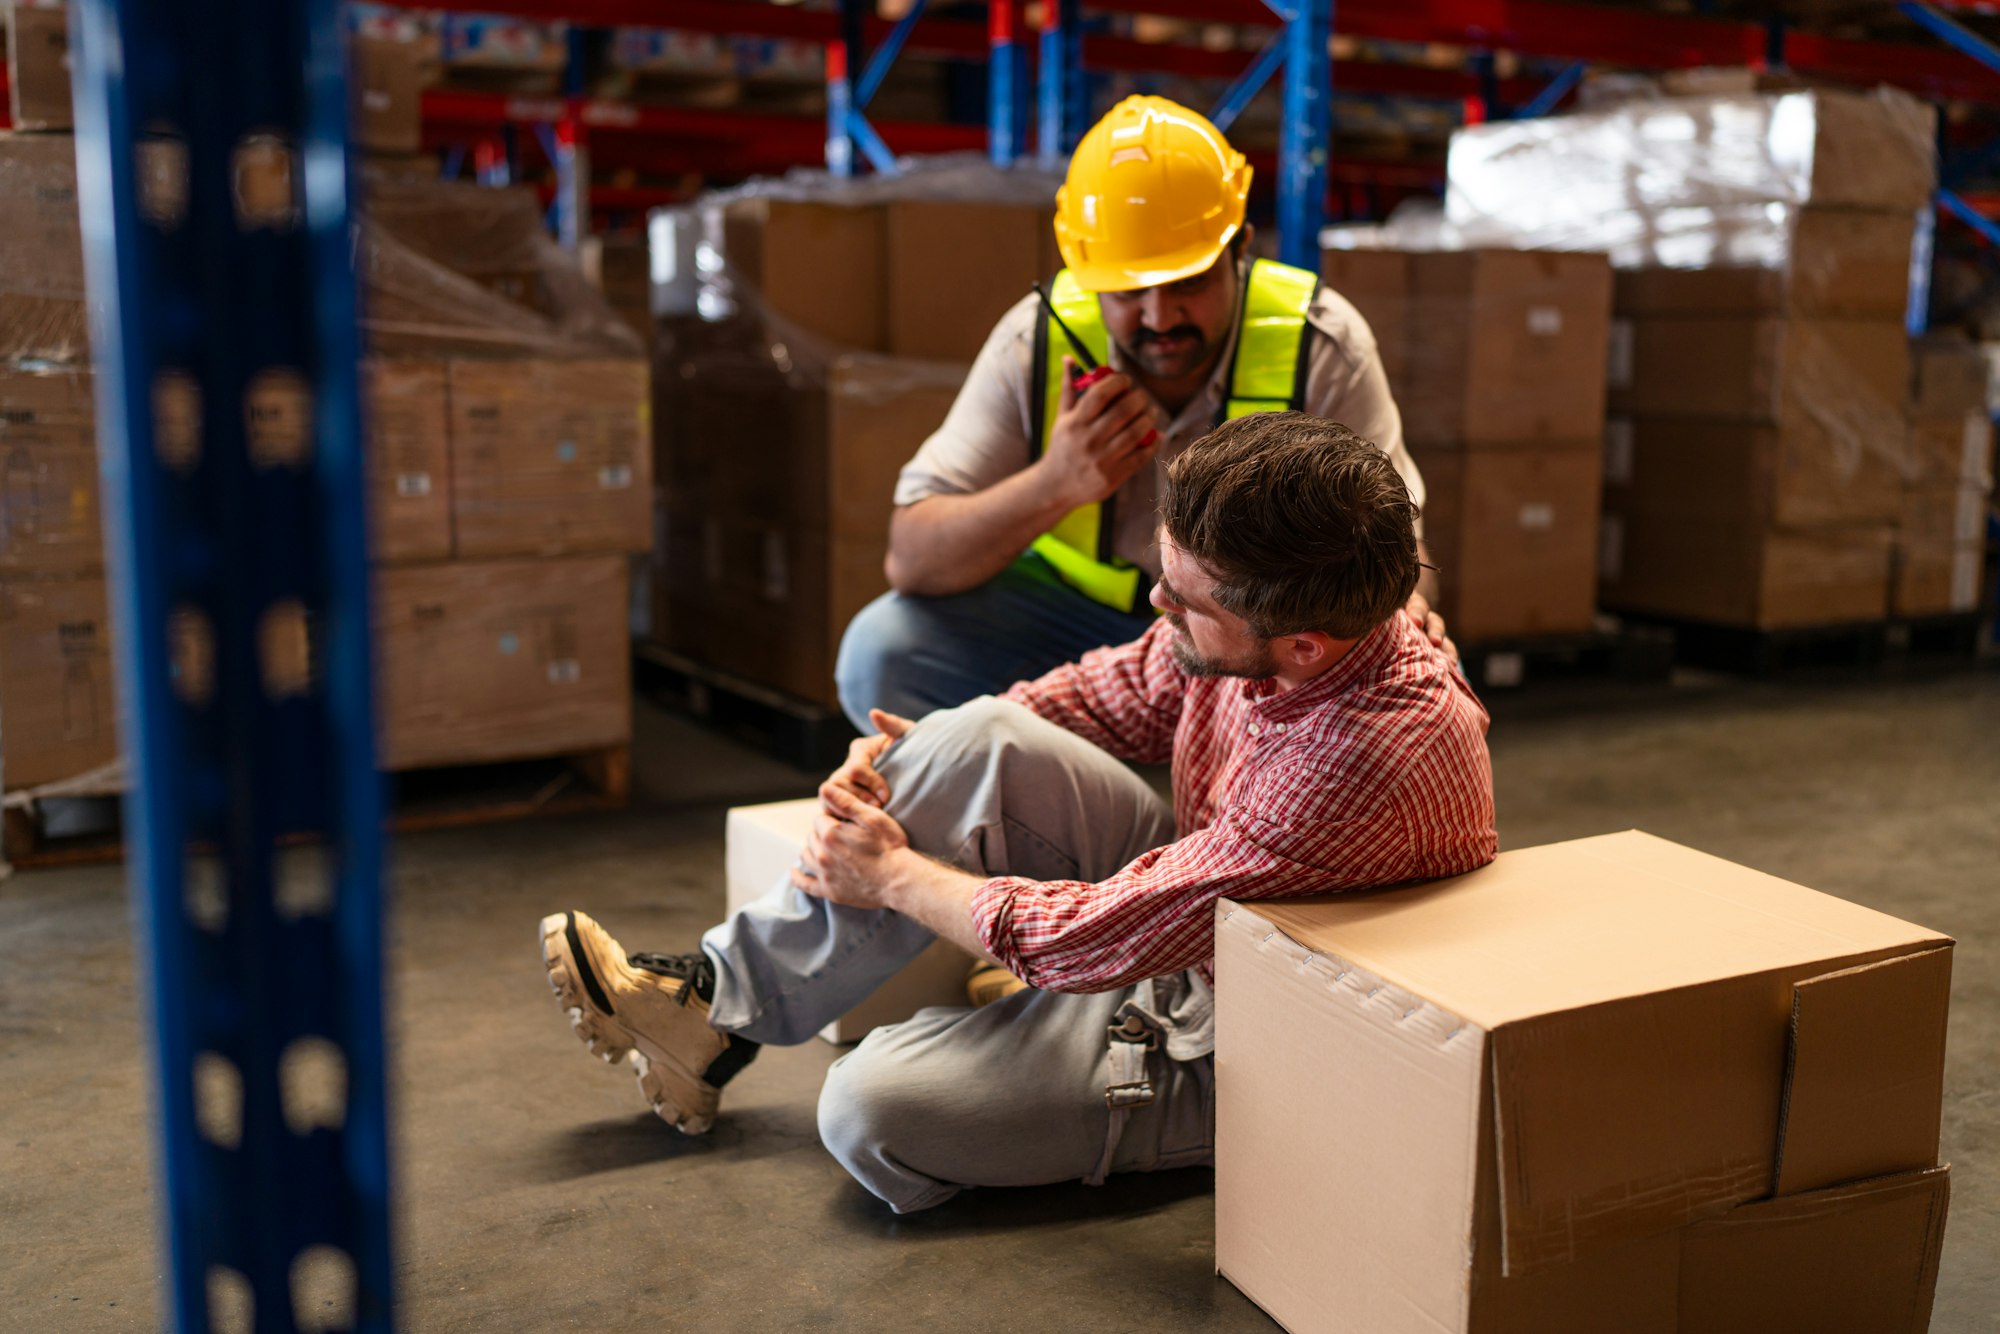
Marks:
<point>1014,1093</point>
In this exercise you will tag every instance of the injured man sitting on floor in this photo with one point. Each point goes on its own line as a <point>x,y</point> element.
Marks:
<point>1319,742</point>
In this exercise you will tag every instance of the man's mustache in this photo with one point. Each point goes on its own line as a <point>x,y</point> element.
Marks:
<point>1145,336</point>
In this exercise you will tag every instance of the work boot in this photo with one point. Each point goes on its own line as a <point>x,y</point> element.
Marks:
<point>651,1007</point>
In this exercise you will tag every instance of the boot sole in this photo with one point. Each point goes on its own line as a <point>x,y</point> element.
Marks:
<point>675,1092</point>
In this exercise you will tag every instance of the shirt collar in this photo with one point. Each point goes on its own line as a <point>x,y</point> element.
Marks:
<point>1369,654</point>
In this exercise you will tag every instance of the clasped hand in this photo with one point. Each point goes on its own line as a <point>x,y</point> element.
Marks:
<point>848,853</point>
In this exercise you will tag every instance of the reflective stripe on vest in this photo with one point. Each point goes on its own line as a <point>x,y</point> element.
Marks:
<point>1267,374</point>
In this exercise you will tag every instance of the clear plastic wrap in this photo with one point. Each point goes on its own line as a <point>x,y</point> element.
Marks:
<point>448,268</point>
<point>777,455</point>
<point>1688,182</point>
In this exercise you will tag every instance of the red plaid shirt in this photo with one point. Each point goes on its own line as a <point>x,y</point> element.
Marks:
<point>1372,773</point>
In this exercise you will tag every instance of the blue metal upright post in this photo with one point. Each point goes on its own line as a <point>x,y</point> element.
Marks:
<point>1006,84</point>
<point>1060,89</point>
<point>1307,131</point>
<point>213,182</point>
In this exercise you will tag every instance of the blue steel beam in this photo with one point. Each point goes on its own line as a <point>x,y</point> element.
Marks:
<point>1551,97</point>
<point>1952,203</point>
<point>1249,83</point>
<point>885,55</point>
<point>1307,131</point>
<point>1952,33</point>
<point>1059,83</point>
<point>1006,87</point>
<point>229,436</point>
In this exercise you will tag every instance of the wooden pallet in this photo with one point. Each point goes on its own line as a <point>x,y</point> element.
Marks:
<point>800,732</point>
<point>447,797</point>
<point>1865,646</point>
<point>1614,649</point>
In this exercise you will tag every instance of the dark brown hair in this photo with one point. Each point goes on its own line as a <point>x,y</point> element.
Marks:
<point>1302,524</point>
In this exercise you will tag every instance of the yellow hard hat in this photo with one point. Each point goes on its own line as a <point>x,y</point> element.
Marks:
<point>1154,195</point>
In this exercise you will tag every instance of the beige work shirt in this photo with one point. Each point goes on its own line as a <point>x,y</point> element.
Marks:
<point>987,435</point>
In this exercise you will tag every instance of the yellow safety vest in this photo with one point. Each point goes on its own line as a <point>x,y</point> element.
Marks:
<point>1268,374</point>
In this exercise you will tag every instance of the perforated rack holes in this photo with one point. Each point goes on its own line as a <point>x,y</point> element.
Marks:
<point>312,1081</point>
<point>218,1099</point>
<point>263,179</point>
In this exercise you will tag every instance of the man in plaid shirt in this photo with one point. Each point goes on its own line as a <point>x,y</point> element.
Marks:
<point>1319,742</point>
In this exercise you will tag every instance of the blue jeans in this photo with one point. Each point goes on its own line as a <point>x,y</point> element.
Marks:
<point>913,655</point>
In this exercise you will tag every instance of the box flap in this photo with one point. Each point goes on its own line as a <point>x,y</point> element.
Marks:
<point>1864,1086</point>
<point>1540,930</point>
<point>1857,1257</point>
<point>1345,1183</point>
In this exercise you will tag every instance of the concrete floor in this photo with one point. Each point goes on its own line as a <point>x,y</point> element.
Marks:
<point>537,1194</point>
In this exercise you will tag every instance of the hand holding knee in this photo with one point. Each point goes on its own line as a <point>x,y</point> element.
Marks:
<point>858,774</point>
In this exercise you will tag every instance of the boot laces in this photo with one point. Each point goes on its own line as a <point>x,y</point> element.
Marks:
<point>692,969</point>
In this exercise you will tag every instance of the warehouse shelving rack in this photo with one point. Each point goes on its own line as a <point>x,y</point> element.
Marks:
<point>225,354</point>
<point>1038,85</point>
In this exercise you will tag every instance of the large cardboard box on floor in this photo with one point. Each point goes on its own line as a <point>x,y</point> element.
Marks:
<point>1727,572</point>
<point>940,306</point>
<point>409,458</point>
<point>1940,548</point>
<point>769,554</point>
<point>1951,450</point>
<point>1796,473</point>
<point>1610,1084</point>
<point>481,661</point>
<point>1840,263</point>
<point>38,96</point>
<point>820,267</point>
<point>1505,347</point>
<point>1948,378</point>
<point>1514,534</point>
<point>761,844</point>
<point>1377,282</point>
<point>550,457</point>
<point>58,713</point>
<point>1757,369</point>
<point>48,473</point>
<point>42,312</point>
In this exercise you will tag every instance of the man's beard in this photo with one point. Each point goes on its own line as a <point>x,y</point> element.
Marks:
<point>1144,345</point>
<point>1254,666</point>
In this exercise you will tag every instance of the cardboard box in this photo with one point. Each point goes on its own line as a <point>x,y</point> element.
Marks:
<point>482,661</point>
<point>1934,580</point>
<point>940,306</point>
<point>1606,1084</point>
<point>1795,473</point>
<point>821,267</point>
<point>1947,450</point>
<point>761,844</point>
<point>1505,347</point>
<point>1854,373</point>
<point>1728,573</point>
<point>1377,282</point>
<point>388,91</point>
<point>770,554</point>
<point>1948,378</point>
<point>42,311</point>
<point>49,490</point>
<point>58,712</point>
<point>1945,515</point>
<point>409,459</point>
<point>550,457</point>
<point>1514,535</point>
<point>38,95</point>
<point>1842,263</point>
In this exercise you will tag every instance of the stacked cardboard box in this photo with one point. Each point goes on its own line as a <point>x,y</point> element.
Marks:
<point>1611,1084</point>
<point>505,491</point>
<point>1948,482</point>
<point>1496,358</point>
<point>37,66</point>
<point>1756,444</point>
<point>805,347</point>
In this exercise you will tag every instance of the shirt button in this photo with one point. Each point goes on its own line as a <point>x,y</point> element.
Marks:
<point>1255,729</point>
<point>1281,727</point>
